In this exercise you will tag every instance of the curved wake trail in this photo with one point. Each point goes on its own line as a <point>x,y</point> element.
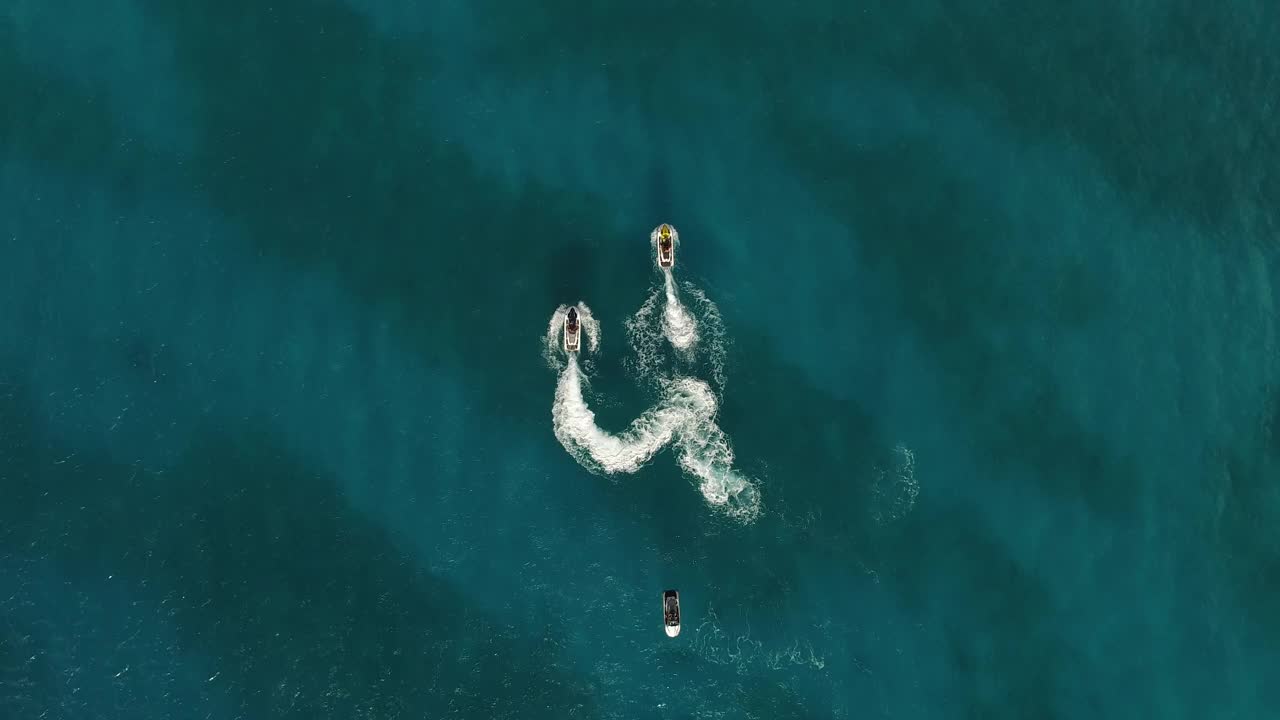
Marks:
<point>576,428</point>
<point>684,416</point>
<point>685,413</point>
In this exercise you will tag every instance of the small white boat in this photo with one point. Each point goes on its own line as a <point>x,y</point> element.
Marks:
<point>664,239</point>
<point>572,331</point>
<point>671,612</point>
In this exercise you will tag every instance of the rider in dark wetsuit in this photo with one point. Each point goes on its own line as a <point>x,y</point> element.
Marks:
<point>672,613</point>
<point>573,320</point>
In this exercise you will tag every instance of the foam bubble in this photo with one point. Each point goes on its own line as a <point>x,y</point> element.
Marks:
<point>679,327</point>
<point>740,651</point>
<point>695,332</point>
<point>683,417</point>
<point>895,486</point>
<point>644,333</point>
<point>553,346</point>
<point>590,327</point>
<point>685,413</point>
<point>711,329</point>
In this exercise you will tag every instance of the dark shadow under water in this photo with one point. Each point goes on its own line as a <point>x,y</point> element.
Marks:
<point>268,575</point>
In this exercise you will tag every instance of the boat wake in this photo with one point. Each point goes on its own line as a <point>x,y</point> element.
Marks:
<point>684,415</point>
<point>678,325</point>
<point>895,486</point>
<point>713,644</point>
<point>711,328</point>
<point>695,332</point>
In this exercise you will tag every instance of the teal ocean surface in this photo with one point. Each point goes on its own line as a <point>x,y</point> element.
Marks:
<point>962,399</point>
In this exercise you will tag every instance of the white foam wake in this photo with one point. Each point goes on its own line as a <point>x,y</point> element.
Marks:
<point>679,327</point>
<point>685,413</point>
<point>590,327</point>
<point>895,486</point>
<point>683,417</point>
<point>645,336</point>
<point>695,331</point>
<point>715,645</point>
<point>710,331</point>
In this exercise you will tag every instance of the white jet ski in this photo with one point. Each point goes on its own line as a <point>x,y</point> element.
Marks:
<point>664,239</point>
<point>671,612</point>
<point>572,331</point>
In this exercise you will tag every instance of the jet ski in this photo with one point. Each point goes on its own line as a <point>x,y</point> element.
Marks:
<point>664,237</point>
<point>572,331</point>
<point>671,612</point>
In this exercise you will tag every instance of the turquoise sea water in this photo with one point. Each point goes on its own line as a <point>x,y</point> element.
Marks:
<point>997,290</point>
